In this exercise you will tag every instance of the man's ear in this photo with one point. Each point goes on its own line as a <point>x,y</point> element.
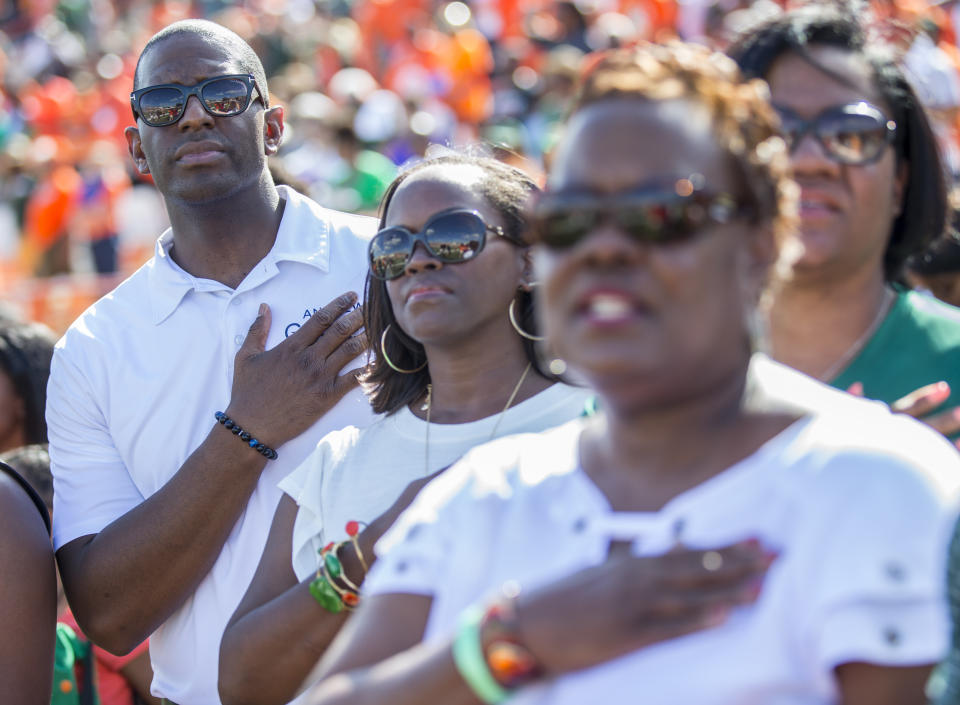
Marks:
<point>134,147</point>
<point>273,130</point>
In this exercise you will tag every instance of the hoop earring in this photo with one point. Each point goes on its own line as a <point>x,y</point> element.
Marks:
<point>520,331</point>
<point>386,358</point>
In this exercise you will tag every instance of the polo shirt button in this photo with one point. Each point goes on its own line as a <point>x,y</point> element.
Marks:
<point>238,339</point>
<point>580,525</point>
<point>891,636</point>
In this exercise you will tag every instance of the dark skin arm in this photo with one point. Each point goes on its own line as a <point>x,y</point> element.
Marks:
<point>278,632</point>
<point>378,658</point>
<point>276,616</point>
<point>28,599</point>
<point>868,684</point>
<point>125,581</point>
<point>139,675</point>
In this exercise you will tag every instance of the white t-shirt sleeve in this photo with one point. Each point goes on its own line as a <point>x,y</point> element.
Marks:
<point>880,562</point>
<point>92,486</point>
<point>305,487</point>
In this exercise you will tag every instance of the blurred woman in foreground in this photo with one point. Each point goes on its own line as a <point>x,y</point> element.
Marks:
<point>519,573</point>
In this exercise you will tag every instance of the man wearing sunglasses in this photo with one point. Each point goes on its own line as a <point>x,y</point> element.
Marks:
<point>162,512</point>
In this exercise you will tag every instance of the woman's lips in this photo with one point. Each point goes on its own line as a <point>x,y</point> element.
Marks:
<point>425,292</point>
<point>817,203</point>
<point>609,308</point>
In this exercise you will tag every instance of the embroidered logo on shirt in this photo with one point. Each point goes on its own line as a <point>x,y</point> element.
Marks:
<point>294,326</point>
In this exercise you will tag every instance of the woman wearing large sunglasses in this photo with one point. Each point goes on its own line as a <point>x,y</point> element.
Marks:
<point>516,575</point>
<point>872,194</point>
<point>449,307</point>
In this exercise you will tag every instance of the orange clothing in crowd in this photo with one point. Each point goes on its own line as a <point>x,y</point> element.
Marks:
<point>51,205</point>
<point>111,685</point>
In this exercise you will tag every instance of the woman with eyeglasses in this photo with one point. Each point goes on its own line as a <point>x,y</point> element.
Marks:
<point>872,194</point>
<point>448,304</point>
<point>517,575</point>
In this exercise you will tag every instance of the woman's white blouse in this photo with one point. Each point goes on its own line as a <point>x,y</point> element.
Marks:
<point>356,474</point>
<point>860,511</point>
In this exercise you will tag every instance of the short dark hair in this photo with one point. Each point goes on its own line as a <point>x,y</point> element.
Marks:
<point>26,350</point>
<point>508,190</point>
<point>231,43</point>
<point>923,210</point>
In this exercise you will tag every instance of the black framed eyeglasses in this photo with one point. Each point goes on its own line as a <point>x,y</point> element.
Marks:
<point>656,216</point>
<point>854,134</point>
<point>451,236</point>
<point>220,96</point>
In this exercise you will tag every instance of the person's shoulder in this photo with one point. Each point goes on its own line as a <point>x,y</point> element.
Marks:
<point>116,313</point>
<point>783,387</point>
<point>929,313</point>
<point>879,453</point>
<point>345,227</point>
<point>507,464</point>
<point>339,443</point>
<point>23,517</point>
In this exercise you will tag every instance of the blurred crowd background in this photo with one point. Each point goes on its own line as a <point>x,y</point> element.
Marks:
<point>367,85</point>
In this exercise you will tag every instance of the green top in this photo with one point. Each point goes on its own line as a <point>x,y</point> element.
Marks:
<point>917,344</point>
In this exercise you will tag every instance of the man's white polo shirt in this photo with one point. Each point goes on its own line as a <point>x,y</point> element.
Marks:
<point>133,388</point>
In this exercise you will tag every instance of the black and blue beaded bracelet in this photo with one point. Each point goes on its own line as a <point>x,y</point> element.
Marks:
<point>234,428</point>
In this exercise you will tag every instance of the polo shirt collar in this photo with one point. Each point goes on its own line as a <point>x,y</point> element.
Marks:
<point>303,236</point>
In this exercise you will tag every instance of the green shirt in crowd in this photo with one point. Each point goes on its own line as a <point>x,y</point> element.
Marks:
<point>917,344</point>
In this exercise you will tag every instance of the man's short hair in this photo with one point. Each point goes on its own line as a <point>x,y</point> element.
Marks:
<point>231,43</point>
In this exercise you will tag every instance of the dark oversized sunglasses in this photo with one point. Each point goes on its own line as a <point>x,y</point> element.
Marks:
<point>854,134</point>
<point>659,216</point>
<point>451,236</point>
<point>220,96</point>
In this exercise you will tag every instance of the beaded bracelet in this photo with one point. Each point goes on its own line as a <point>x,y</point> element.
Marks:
<point>234,428</point>
<point>469,659</point>
<point>324,593</point>
<point>511,663</point>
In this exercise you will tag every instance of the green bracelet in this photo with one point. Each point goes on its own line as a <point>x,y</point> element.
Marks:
<point>468,657</point>
<point>325,595</point>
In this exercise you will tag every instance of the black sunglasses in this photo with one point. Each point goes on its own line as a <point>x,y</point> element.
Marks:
<point>658,216</point>
<point>220,96</point>
<point>451,236</point>
<point>854,134</point>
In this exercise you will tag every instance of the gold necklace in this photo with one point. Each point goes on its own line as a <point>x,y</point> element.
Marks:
<point>427,405</point>
<point>860,342</point>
